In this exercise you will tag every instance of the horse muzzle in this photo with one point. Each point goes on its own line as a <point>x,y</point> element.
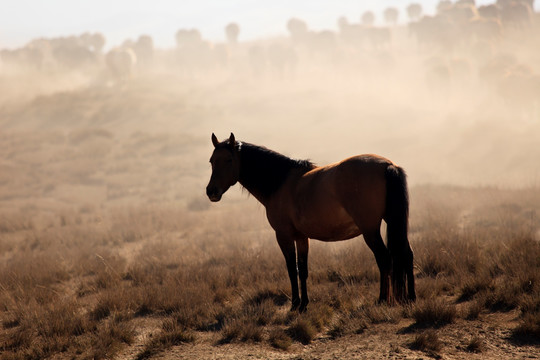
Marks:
<point>214,194</point>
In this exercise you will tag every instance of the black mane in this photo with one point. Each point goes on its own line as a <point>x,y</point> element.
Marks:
<point>263,171</point>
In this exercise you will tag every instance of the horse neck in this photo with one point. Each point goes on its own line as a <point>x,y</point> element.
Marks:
<point>263,172</point>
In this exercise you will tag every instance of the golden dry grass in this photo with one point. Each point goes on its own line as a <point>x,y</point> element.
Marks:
<point>78,298</point>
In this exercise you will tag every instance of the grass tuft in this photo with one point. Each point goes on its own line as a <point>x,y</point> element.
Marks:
<point>302,330</point>
<point>171,334</point>
<point>241,330</point>
<point>434,313</point>
<point>476,345</point>
<point>280,340</point>
<point>528,329</point>
<point>427,341</point>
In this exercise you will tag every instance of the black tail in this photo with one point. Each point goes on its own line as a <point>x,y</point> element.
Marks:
<point>397,220</point>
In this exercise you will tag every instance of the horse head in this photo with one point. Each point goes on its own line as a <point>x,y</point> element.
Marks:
<point>225,163</point>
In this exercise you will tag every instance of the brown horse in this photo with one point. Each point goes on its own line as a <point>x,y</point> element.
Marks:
<point>330,203</point>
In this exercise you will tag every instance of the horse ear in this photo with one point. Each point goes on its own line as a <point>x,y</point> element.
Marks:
<point>232,141</point>
<point>215,140</point>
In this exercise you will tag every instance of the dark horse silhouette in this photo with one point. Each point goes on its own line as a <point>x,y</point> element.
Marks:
<point>329,203</point>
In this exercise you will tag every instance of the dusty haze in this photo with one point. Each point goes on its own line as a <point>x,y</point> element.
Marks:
<point>464,112</point>
<point>104,160</point>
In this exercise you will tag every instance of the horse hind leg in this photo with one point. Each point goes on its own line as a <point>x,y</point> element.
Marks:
<point>382,256</point>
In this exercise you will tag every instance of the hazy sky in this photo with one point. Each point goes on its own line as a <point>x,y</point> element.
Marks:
<point>23,20</point>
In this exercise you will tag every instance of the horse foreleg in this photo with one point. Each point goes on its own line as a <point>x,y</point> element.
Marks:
<point>302,246</point>
<point>288,249</point>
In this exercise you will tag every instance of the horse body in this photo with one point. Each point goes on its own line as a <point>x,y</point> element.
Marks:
<point>324,204</point>
<point>342,199</point>
<point>330,203</point>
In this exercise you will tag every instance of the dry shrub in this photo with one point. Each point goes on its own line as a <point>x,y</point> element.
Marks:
<point>32,278</point>
<point>62,327</point>
<point>530,304</point>
<point>102,309</point>
<point>169,297</point>
<point>474,310</point>
<point>381,313</point>
<point>473,285</point>
<point>172,333</point>
<point>252,332</point>
<point>246,322</point>
<point>341,300</point>
<point>106,269</point>
<point>302,330</point>
<point>476,345</point>
<point>277,297</point>
<point>433,313</point>
<point>339,329</point>
<point>113,301</point>
<point>109,338</point>
<point>319,315</point>
<point>95,262</point>
<point>452,257</point>
<point>504,297</point>
<point>44,330</point>
<point>427,287</point>
<point>18,338</point>
<point>528,329</point>
<point>435,263</point>
<point>231,331</point>
<point>244,330</point>
<point>62,319</point>
<point>146,272</point>
<point>264,313</point>
<point>280,340</point>
<point>427,341</point>
<point>200,317</point>
<point>348,325</point>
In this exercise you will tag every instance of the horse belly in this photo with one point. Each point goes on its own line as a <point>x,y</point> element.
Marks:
<point>333,225</point>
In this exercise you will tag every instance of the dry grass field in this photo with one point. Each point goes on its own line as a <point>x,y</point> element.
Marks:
<point>109,248</point>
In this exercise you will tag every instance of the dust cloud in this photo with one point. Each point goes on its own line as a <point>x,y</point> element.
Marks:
<point>454,98</point>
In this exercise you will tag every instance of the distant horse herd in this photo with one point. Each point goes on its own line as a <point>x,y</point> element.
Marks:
<point>494,45</point>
